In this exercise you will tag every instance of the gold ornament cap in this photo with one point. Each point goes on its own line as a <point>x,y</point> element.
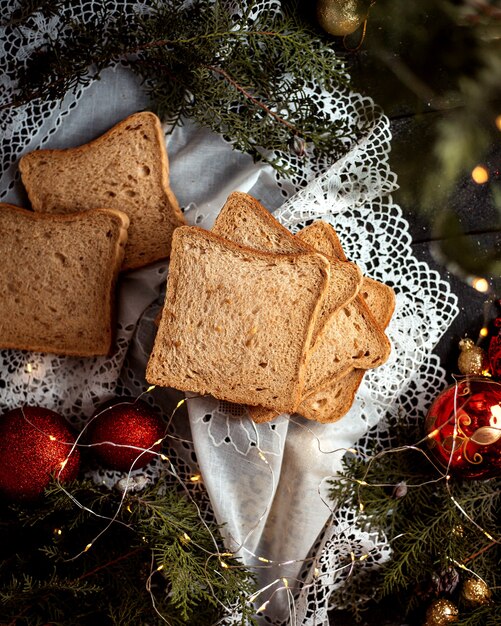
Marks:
<point>475,592</point>
<point>472,361</point>
<point>441,613</point>
<point>341,17</point>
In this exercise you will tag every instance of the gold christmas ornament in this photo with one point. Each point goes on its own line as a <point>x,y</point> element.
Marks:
<point>475,592</point>
<point>342,17</point>
<point>441,613</point>
<point>472,359</point>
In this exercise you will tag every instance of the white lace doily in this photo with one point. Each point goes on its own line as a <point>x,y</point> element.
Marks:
<point>267,482</point>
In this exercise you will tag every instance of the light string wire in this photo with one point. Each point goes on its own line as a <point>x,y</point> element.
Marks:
<point>265,562</point>
<point>114,518</point>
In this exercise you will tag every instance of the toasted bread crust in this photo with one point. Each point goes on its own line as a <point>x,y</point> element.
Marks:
<point>39,172</point>
<point>266,233</point>
<point>172,355</point>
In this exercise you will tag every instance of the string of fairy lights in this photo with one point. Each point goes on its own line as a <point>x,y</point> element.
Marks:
<point>281,584</point>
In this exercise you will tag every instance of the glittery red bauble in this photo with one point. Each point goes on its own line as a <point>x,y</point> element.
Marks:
<point>126,423</point>
<point>34,443</point>
<point>464,428</point>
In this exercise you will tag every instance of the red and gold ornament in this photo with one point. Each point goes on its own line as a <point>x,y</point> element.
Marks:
<point>464,428</point>
<point>121,432</point>
<point>35,443</point>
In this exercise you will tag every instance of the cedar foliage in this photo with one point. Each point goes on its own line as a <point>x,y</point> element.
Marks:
<point>42,582</point>
<point>243,73</point>
<point>430,537</point>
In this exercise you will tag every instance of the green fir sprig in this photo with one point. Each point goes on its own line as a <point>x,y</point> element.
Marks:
<point>245,74</point>
<point>157,559</point>
<point>406,500</point>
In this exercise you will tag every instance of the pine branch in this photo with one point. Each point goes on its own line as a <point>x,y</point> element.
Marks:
<point>429,534</point>
<point>244,78</point>
<point>157,537</point>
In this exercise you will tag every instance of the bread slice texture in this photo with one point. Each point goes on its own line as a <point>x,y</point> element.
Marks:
<point>247,222</point>
<point>125,169</point>
<point>57,279</point>
<point>353,338</point>
<point>334,401</point>
<point>237,323</point>
<point>330,403</point>
<point>349,336</point>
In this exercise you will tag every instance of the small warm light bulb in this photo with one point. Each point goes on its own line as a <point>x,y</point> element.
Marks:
<point>63,464</point>
<point>498,122</point>
<point>286,583</point>
<point>58,531</point>
<point>484,332</point>
<point>316,572</point>
<point>480,284</point>
<point>160,568</point>
<point>433,433</point>
<point>263,607</point>
<point>223,564</point>
<point>52,438</point>
<point>164,458</point>
<point>195,478</point>
<point>363,557</point>
<point>88,547</point>
<point>262,559</point>
<point>29,368</point>
<point>261,456</point>
<point>158,442</point>
<point>150,388</point>
<point>480,174</point>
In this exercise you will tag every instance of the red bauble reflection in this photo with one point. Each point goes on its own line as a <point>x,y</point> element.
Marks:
<point>494,352</point>
<point>130,427</point>
<point>34,444</point>
<point>464,429</point>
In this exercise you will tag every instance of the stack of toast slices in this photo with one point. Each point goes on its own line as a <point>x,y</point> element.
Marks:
<point>255,315</point>
<point>97,210</point>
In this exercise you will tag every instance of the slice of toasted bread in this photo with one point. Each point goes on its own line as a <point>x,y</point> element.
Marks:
<point>57,279</point>
<point>353,338</point>
<point>237,323</point>
<point>125,169</point>
<point>334,401</point>
<point>246,221</point>
<point>350,336</point>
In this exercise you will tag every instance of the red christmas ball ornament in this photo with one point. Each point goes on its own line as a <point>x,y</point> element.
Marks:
<point>121,432</point>
<point>464,428</point>
<point>34,444</point>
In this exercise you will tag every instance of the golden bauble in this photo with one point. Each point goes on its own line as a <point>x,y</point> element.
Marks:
<point>472,360</point>
<point>342,17</point>
<point>475,592</point>
<point>441,613</point>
